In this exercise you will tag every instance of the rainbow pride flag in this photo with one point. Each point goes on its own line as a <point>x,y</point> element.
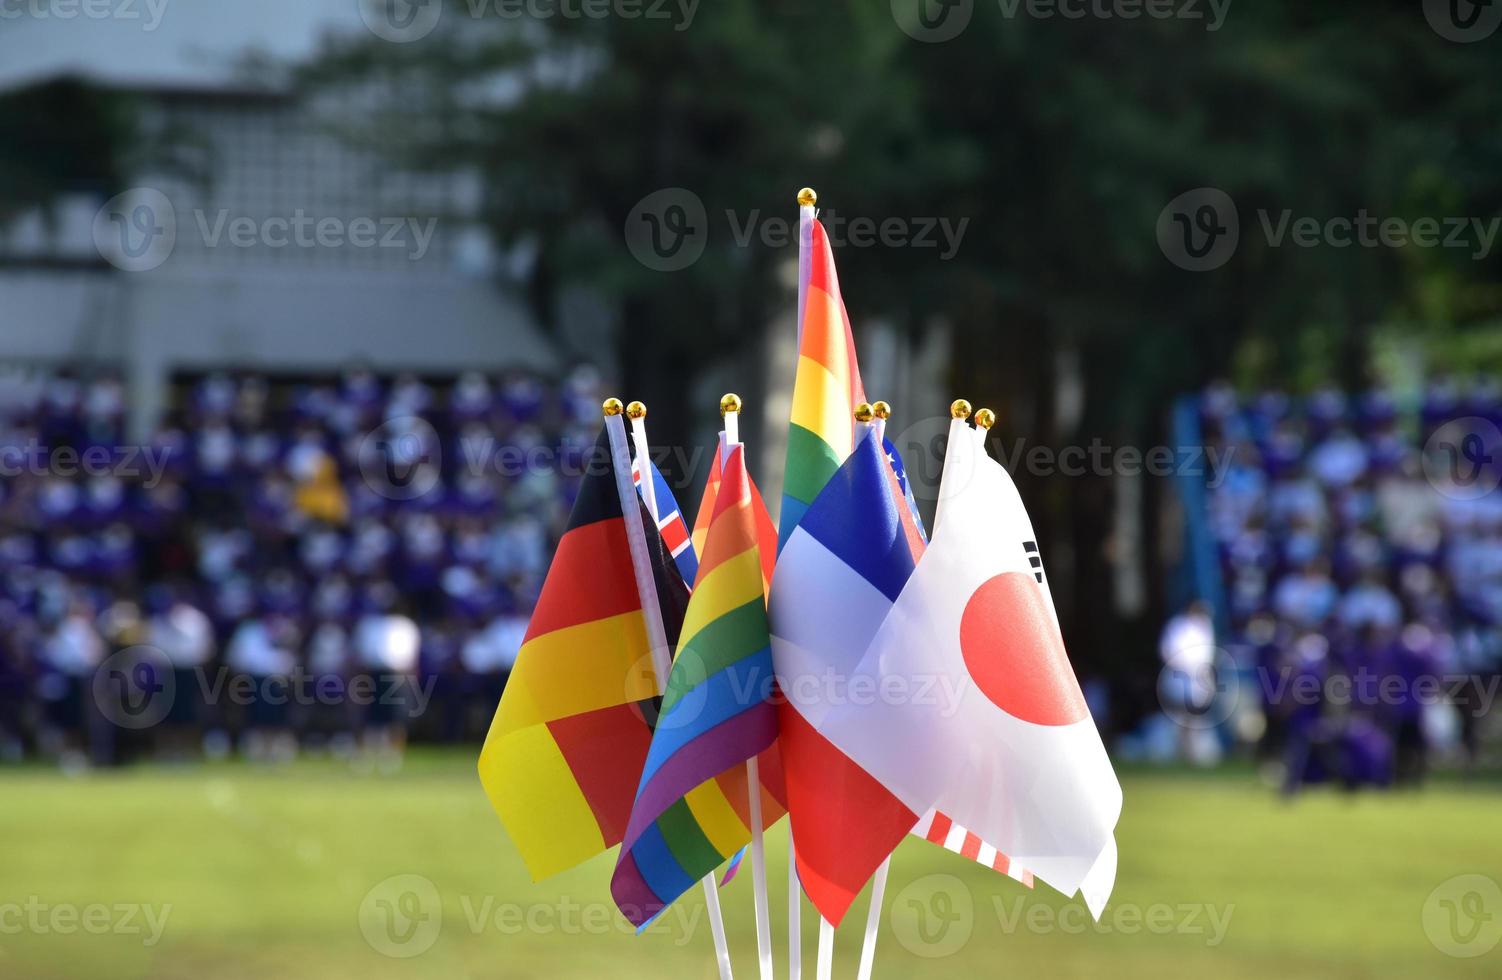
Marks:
<point>826,388</point>
<point>717,714</point>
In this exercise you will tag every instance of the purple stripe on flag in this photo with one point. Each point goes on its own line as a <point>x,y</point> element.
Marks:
<point>729,743</point>
<point>632,895</point>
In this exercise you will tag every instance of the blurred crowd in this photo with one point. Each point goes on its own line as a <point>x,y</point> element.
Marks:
<point>1360,547</point>
<point>289,536</point>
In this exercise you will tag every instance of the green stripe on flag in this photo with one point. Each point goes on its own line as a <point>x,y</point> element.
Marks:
<point>736,635</point>
<point>810,463</point>
<point>686,839</point>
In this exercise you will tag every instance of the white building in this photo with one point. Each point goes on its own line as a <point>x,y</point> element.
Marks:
<point>297,253</point>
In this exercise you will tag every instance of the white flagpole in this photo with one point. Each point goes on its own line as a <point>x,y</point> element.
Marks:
<point>881,410</point>
<point>825,968</point>
<point>730,411</point>
<point>807,214</point>
<point>646,590</point>
<point>873,919</point>
<point>795,912</point>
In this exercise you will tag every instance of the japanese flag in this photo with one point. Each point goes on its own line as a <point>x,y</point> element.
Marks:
<point>992,728</point>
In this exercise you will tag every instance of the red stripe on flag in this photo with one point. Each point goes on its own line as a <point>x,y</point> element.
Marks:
<point>971,848</point>
<point>591,578</point>
<point>938,831</point>
<point>605,750</point>
<point>844,821</point>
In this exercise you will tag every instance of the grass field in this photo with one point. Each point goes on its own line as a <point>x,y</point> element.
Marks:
<point>316,871</point>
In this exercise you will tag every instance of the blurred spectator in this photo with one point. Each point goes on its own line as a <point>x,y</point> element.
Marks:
<point>274,529</point>
<point>1349,570</point>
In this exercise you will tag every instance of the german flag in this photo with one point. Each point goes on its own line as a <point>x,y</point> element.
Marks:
<point>565,750</point>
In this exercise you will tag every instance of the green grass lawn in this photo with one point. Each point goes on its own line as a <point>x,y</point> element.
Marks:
<point>288,873</point>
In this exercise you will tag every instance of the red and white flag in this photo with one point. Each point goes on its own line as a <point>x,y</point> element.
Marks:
<point>1009,751</point>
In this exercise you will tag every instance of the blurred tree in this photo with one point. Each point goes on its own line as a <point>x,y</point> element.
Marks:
<point>1060,142</point>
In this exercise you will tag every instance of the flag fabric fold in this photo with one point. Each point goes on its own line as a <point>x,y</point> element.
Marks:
<point>566,747</point>
<point>691,810</point>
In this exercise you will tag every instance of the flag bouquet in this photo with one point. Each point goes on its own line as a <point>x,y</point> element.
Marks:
<point>679,692</point>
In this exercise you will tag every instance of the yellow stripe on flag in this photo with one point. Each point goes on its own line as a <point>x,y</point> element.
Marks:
<point>540,804</point>
<point>717,818</point>
<point>580,668</point>
<point>729,585</point>
<point>821,404</point>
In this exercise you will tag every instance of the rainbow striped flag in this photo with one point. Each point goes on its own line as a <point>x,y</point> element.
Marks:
<point>566,747</point>
<point>826,388</point>
<point>717,714</point>
<point>766,530</point>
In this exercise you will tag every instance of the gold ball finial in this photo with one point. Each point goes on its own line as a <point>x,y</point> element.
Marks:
<point>959,409</point>
<point>636,410</point>
<point>985,418</point>
<point>881,410</point>
<point>863,412</point>
<point>611,406</point>
<point>730,403</point>
<point>807,198</point>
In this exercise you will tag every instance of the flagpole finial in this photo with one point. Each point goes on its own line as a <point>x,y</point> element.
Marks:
<point>807,198</point>
<point>881,410</point>
<point>636,410</point>
<point>959,409</point>
<point>863,412</point>
<point>985,418</point>
<point>730,403</point>
<point>611,406</point>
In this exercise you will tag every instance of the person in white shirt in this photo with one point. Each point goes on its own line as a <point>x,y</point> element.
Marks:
<point>387,647</point>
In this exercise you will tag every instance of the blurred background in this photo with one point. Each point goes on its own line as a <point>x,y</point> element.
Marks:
<point>307,308</point>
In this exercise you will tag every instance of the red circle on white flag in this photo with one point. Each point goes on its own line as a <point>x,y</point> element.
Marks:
<point>1015,654</point>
